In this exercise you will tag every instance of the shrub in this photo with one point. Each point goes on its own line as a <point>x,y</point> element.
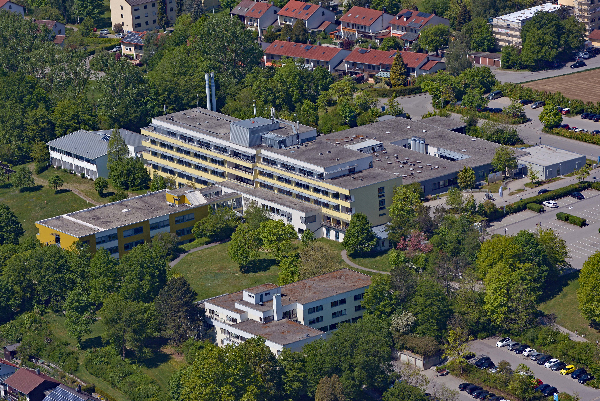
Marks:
<point>561,216</point>
<point>555,194</point>
<point>535,207</point>
<point>396,92</point>
<point>569,218</point>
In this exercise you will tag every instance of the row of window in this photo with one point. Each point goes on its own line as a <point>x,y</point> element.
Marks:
<point>159,224</point>
<point>133,231</point>
<point>341,301</point>
<point>339,313</point>
<point>184,218</point>
<point>304,186</point>
<point>106,238</point>
<point>130,245</point>
<point>314,309</point>
<point>318,319</point>
<point>335,325</point>
<point>184,231</point>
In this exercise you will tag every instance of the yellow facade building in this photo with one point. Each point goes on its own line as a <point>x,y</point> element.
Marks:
<point>122,225</point>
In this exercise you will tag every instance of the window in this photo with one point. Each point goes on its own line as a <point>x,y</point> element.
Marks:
<point>339,313</point>
<point>130,245</point>
<point>184,218</point>
<point>381,192</point>
<point>121,15</point>
<point>324,328</point>
<point>154,13</point>
<point>159,225</point>
<point>315,320</point>
<point>145,6</point>
<point>136,8</point>
<point>341,301</point>
<point>146,23</point>
<point>121,7</point>
<point>146,15</point>
<point>333,326</point>
<point>113,249</point>
<point>153,5</point>
<point>171,9</point>
<point>314,309</point>
<point>360,296</point>
<point>133,231</point>
<point>154,21</point>
<point>184,231</point>
<point>137,17</point>
<point>106,238</point>
<point>358,308</point>
<point>381,204</point>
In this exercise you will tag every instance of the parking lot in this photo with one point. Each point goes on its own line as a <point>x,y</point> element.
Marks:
<point>581,241</point>
<point>563,383</point>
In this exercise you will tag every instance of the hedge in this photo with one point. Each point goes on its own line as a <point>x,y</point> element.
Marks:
<point>535,207</point>
<point>569,218</point>
<point>396,92</point>
<point>554,194</point>
<point>578,136</point>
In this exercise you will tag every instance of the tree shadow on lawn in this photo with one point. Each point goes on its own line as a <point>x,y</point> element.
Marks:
<point>257,266</point>
<point>35,188</point>
<point>159,357</point>
<point>62,191</point>
<point>556,288</point>
<point>93,342</point>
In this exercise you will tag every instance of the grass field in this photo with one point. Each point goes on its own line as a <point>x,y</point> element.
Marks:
<point>39,203</point>
<point>565,307</point>
<point>583,86</point>
<point>377,261</point>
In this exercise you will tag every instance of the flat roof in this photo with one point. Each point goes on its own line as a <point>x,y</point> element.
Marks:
<point>543,155</point>
<point>528,13</point>
<point>117,214</point>
<point>261,288</point>
<point>320,152</point>
<point>282,332</point>
<point>448,123</point>
<point>265,194</point>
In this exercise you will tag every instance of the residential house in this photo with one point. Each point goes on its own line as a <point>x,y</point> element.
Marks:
<point>408,24</point>
<point>313,15</point>
<point>58,28</point>
<point>59,40</point>
<point>378,62</point>
<point>507,28</point>
<point>28,384</point>
<point>12,7</point>
<point>363,22</point>
<point>65,393</point>
<point>10,351</point>
<point>586,11</point>
<point>256,15</point>
<point>133,45</point>
<point>87,151</point>
<point>594,37</point>
<point>140,15</point>
<point>120,226</point>
<point>327,57</point>
<point>7,369</point>
<point>292,315</point>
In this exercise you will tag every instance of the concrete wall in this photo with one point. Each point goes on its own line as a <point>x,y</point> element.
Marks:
<point>419,361</point>
<point>367,200</point>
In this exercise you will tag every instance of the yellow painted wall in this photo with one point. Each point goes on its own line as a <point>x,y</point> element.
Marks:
<point>46,236</point>
<point>310,181</point>
<point>292,187</point>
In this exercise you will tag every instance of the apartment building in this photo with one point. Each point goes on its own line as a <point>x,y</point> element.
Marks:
<point>120,226</point>
<point>292,315</point>
<point>140,15</point>
<point>312,182</point>
<point>256,15</point>
<point>586,11</point>
<point>407,25</point>
<point>313,56</point>
<point>313,15</point>
<point>507,28</point>
<point>363,22</point>
<point>372,62</point>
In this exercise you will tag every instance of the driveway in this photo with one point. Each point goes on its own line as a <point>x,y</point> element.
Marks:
<point>564,384</point>
<point>414,105</point>
<point>525,76</point>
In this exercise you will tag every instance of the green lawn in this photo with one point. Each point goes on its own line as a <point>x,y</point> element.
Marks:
<point>85,185</point>
<point>565,307</point>
<point>39,203</point>
<point>376,261</point>
<point>211,272</point>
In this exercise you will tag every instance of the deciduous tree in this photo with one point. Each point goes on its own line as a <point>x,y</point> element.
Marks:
<point>359,237</point>
<point>434,37</point>
<point>330,389</point>
<point>504,160</point>
<point>10,226</point>
<point>80,313</point>
<point>101,185</point>
<point>589,282</point>
<point>398,73</point>
<point>244,245</point>
<point>404,207</point>
<point>144,273</point>
<point>550,116</point>
<point>466,178</point>
<point>56,181</point>
<point>22,178</point>
<point>218,225</point>
<point>277,237</point>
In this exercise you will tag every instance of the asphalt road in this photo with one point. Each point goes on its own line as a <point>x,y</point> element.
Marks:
<point>563,383</point>
<point>582,242</point>
<point>525,76</point>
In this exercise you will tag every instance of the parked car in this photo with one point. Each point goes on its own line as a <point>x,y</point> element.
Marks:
<point>578,195</point>
<point>550,391</point>
<point>595,132</point>
<point>118,35</point>
<point>525,102</point>
<point>550,203</point>
<point>584,55</point>
<point>577,373</point>
<point>487,364</point>
<point>534,355</point>
<point>551,362</point>
<point>584,378</point>
<point>473,388</point>
<point>521,349</point>
<point>585,116</point>
<point>538,105</point>
<point>503,342</point>
<point>541,388</point>
<point>514,346</point>
<point>543,359</point>
<point>564,126</point>
<point>529,351</point>
<point>565,111</point>
<point>543,191</point>
<point>558,366</point>
<point>494,95</point>
<point>567,370</point>
<point>480,394</point>
<point>578,64</point>
<point>104,32</point>
<point>464,386</point>
<point>115,49</point>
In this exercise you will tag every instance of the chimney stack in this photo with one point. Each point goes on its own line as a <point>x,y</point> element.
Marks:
<point>277,312</point>
<point>214,92</point>
<point>207,79</point>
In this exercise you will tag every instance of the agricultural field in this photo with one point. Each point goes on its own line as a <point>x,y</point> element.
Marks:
<point>584,85</point>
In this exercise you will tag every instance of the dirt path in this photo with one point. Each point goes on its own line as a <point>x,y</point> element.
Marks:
<point>41,181</point>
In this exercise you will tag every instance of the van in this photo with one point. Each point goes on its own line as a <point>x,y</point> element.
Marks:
<point>494,95</point>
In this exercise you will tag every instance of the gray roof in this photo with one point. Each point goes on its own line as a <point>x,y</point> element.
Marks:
<point>544,155</point>
<point>445,122</point>
<point>138,2</point>
<point>93,144</point>
<point>64,393</point>
<point>282,332</point>
<point>12,347</point>
<point>410,36</point>
<point>136,38</point>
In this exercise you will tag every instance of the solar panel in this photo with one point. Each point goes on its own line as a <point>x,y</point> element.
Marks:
<point>362,51</point>
<point>308,6</point>
<point>308,47</point>
<point>424,15</point>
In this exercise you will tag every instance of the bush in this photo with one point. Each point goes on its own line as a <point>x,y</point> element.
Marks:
<point>555,194</point>
<point>396,92</point>
<point>535,207</point>
<point>569,218</point>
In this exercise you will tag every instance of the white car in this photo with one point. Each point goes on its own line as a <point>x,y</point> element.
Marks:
<point>118,35</point>
<point>551,362</point>
<point>551,204</point>
<point>529,352</point>
<point>503,342</point>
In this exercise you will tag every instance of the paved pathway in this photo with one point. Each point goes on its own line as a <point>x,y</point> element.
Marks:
<point>348,261</point>
<point>174,262</point>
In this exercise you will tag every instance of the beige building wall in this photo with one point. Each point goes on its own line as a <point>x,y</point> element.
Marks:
<point>375,200</point>
<point>140,17</point>
<point>586,11</point>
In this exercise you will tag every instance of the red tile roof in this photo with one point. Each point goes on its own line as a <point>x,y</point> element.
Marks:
<point>300,50</point>
<point>594,35</point>
<point>50,24</point>
<point>324,25</point>
<point>412,17</point>
<point>59,39</point>
<point>25,380</point>
<point>361,16</point>
<point>3,2</point>
<point>412,59</point>
<point>429,65</point>
<point>257,10</point>
<point>298,9</point>
<point>379,57</point>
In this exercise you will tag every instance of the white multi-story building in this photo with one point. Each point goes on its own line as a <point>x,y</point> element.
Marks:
<point>507,28</point>
<point>292,315</point>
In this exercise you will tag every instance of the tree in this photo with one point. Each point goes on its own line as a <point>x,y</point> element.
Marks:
<point>22,178</point>
<point>10,227</point>
<point>254,215</point>
<point>127,324</point>
<point>289,269</point>
<point>41,156</point>
<point>118,152</point>
<point>431,308</point>
<point>390,43</point>
<point>380,299</point>
<point>532,174</point>
<point>457,346</point>
<point>244,245</point>
<point>330,389</point>
<point>315,259</point>
<point>144,273</point>
<point>583,172</point>
<point>455,200</point>
<point>161,16</point>
<point>56,181</point>
<point>587,294</point>
<point>404,207</point>
<point>433,37</point>
<point>277,237</point>
<point>404,392</point>
<point>511,57</point>
<point>101,185</point>
<point>474,99</point>
<point>359,237</point>
<point>179,316</point>
<point>466,178</point>
<point>504,160</point>
<point>393,108</point>
<point>218,225</point>
<point>299,32</point>
<point>550,116</point>
<point>456,56</point>
<point>398,73</point>
<point>104,275</point>
<point>79,313</point>
<point>480,36</point>
<point>118,28</point>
